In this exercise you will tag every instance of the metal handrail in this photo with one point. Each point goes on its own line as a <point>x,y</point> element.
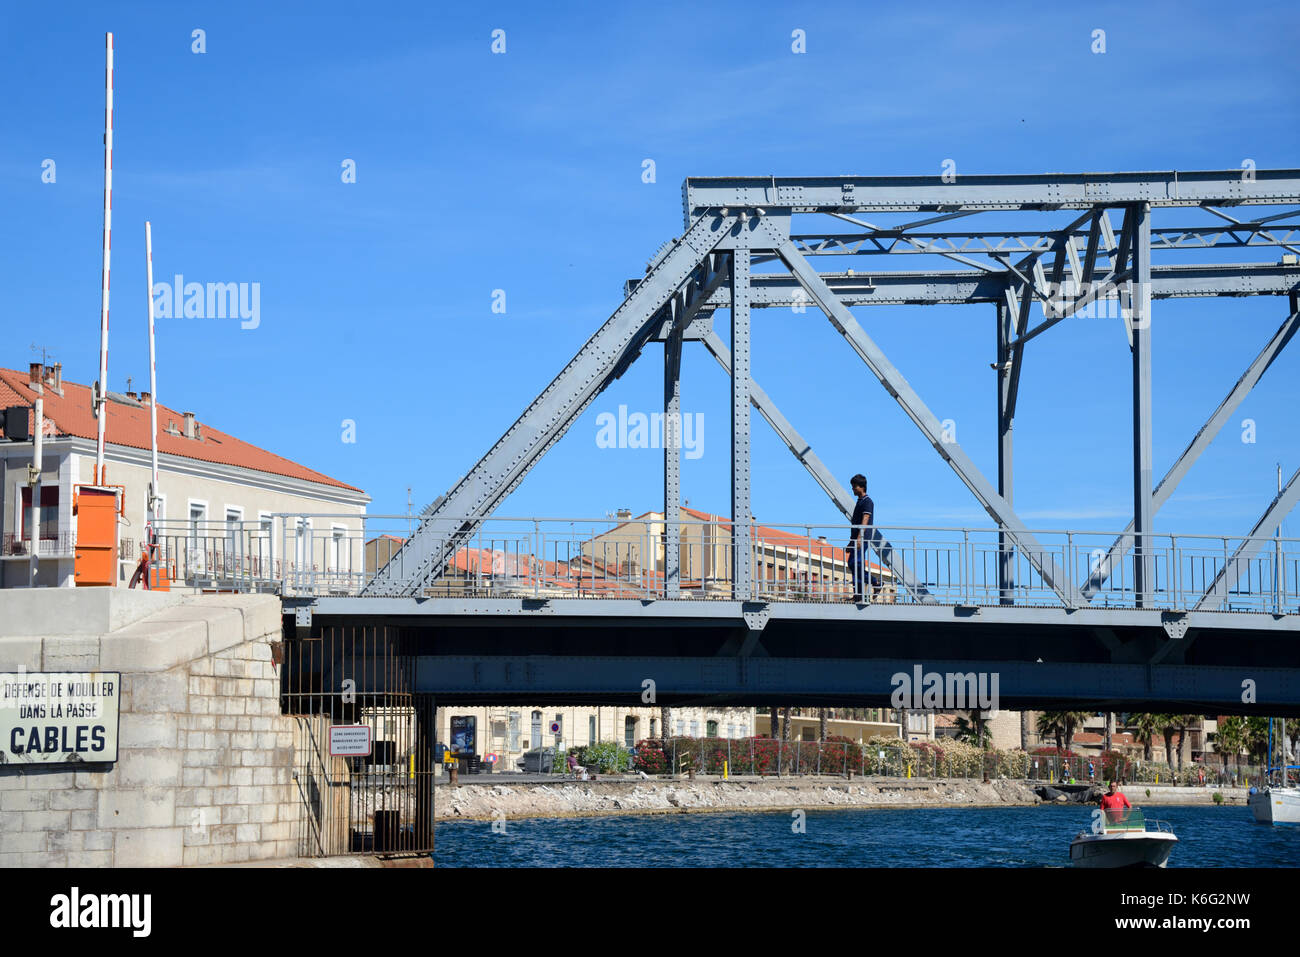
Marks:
<point>322,554</point>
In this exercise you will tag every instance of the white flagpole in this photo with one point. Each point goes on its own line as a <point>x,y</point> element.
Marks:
<point>153,383</point>
<point>100,410</point>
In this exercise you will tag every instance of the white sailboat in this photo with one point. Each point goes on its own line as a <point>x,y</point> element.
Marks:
<point>1278,801</point>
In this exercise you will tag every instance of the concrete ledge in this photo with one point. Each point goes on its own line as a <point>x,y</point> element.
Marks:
<point>224,627</point>
<point>261,613</point>
<point>76,611</point>
<point>152,646</point>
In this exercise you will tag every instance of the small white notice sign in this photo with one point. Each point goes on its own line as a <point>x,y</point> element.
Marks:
<point>350,740</point>
<point>58,717</point>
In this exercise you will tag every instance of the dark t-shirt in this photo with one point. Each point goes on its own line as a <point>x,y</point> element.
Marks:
<point>864,513</point>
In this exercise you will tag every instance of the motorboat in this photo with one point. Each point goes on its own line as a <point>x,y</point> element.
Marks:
<point>1123,838</point>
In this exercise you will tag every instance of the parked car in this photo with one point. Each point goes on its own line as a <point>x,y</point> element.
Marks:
<point>537,760</point>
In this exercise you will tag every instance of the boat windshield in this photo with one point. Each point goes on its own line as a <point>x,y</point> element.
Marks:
<point>1124,819</point>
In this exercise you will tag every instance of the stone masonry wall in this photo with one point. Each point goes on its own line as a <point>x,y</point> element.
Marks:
<point>205,760</point>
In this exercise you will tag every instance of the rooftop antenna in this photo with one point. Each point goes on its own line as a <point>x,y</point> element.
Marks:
<point>409,506</point>
<point>102,384</point>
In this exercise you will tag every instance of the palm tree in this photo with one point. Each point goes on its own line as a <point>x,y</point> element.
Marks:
<point>973,729</point>
<point>1168,725</point>
<point>1050,722</point>
<point>1110,732</point>
<point>1257,738</point>
<point>1230,738</point>
<point>774,722</point>
<point>821,721</point>
<point>1072,720</point>
<point>785,732</point>
<point>665,715</point>
<point>1146,726</point>
<point>1024,731</point>
<point>1185,723</point>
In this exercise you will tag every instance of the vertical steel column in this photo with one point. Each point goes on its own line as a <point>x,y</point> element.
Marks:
<point>673,459</point>
<point>1140,305</point>
<point>742,557</point>
<point>1006,419</point>
<point>426,742</point>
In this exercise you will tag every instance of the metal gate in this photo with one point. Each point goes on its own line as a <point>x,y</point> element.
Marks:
<point>359,678</point>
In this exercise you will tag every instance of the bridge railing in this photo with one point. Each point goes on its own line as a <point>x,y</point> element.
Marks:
<point>626,557</point>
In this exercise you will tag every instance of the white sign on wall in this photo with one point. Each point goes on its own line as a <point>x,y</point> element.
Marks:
<point>350,740</point>
<point>58,717</point>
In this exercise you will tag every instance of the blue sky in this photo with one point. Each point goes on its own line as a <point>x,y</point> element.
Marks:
<point>522,172</point>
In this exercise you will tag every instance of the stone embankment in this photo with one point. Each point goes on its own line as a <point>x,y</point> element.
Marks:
<point>577,799</point>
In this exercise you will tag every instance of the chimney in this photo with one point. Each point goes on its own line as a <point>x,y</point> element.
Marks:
<point>821,540</point>
<point>130,394</point>
<point>36,375</point>
<point>146,398</point>
<point>57,382</point>
<point>191,427</point>
<point>624,513</point>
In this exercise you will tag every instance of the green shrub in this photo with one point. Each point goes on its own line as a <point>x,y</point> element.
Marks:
<point>607,757</point>
<point>1218,797</point>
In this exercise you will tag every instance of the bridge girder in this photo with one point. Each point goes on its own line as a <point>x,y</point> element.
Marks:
<point>749,219</point>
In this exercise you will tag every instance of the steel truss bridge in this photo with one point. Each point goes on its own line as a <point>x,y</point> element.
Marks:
<point>492,610</point>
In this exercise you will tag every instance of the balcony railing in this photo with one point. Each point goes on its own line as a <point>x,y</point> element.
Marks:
<point>339,554</point>
<point>49,545</point>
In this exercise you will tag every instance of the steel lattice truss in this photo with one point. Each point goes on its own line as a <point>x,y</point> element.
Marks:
<point>1099,249</point>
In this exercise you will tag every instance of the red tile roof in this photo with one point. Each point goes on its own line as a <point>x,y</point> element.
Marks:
<point>775,536</point>
<point>128,425</point>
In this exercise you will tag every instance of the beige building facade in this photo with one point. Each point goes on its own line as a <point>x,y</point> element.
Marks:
<point>509,731</point>
<point>218,497</point>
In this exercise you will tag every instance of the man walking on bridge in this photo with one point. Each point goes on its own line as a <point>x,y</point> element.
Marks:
<point>856,550</point>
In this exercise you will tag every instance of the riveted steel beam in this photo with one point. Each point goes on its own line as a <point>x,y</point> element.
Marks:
<point>823,476</point>
<point>922,287</point>
<point>848,194</point>
<point>898,242</point>
<point>1200,442</point>
<point>601,360</point>
<point>951,452</point>
<point>1220,589</point>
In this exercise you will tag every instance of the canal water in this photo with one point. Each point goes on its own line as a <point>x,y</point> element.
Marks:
<point>887,837</point>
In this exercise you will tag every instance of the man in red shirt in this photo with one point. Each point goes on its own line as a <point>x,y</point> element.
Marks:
<point>1113,802</point>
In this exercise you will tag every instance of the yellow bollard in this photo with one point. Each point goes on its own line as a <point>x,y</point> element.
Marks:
<point>909,772</point>
<point>724,770</point>
<point>412,767</point>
